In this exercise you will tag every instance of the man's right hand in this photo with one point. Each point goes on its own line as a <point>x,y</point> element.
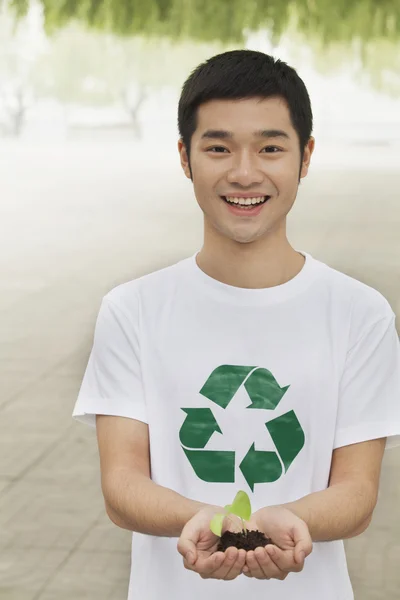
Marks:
<point>198,546</point>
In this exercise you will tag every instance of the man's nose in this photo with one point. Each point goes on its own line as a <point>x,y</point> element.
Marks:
<point>245,171</point>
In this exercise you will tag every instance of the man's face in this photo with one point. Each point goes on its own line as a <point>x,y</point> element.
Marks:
<point>245,148</point>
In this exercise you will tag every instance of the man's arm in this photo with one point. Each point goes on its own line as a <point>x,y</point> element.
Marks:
<point>132,500</point>
<point>345,508</point>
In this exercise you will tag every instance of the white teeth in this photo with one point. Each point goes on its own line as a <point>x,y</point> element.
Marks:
<point>245,201</point>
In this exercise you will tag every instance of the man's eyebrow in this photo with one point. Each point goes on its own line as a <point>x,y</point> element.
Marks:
<point>222,134</point>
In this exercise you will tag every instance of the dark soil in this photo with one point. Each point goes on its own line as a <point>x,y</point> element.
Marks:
<point>249,540</point>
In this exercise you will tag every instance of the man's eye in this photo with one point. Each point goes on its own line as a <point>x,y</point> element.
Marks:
<point>273,148</point>
<point>216,148</point>
<point>221,149</point>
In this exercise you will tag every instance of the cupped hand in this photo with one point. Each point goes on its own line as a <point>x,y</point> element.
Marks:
<point>198,547</point>
<point>291,539</point>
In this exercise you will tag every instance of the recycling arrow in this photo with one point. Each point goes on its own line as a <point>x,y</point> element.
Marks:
<point>288,436</point>
<point>198,427</point>
<point>263,389</point>
<point>213,465</point>
<point>259,466</point>
<point>224,382</point>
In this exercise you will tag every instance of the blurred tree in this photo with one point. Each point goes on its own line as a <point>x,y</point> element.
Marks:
<point>15,101</point>
<point>111,70</point>
<point>226,20</point>
<point>338,30</point>
<point>17,58</point>
<point>375,64</point>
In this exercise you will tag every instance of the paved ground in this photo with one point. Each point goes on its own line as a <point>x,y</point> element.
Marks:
<point>74,223</point>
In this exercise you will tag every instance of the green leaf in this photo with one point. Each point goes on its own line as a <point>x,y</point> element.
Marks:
<point>241,506</point>
<point>216,524</point>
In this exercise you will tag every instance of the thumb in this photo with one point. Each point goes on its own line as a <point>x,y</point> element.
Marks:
<point>302,540</point>
<point>187,544</point>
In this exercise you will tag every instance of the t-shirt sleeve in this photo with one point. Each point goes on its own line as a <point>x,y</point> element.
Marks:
<point>112,383</point>
<point>369,394</point>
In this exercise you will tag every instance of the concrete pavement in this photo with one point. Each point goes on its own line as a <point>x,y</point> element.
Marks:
<point>75,222</point>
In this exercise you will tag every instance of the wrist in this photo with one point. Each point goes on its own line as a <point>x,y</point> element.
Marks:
<point>295,509</point>
<point>192,508</point>
<point>195,507</point>
<point>267,512</point>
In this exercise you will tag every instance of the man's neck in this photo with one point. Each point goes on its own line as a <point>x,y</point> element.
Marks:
<point>256,265</point>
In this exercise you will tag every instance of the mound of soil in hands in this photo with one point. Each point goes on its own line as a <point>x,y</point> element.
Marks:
<point>248,540</point>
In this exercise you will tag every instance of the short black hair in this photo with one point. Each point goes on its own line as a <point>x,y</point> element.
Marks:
<point>239,74</point>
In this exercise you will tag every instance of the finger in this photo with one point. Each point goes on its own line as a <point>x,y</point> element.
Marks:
<point>284,559</point>
<point>190,559</point>
<point>188,566</point>
<point>205,566</point>
<point>254,567</point>
<point>211,564</point>
<point>237,567</point>
<point>187,544</point>
<point>302,540</point>
<point>223,570</point>
<point>299,558</point>
<point>267,565</point>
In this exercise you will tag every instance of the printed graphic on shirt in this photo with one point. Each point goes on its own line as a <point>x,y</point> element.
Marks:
<point>257,466</point>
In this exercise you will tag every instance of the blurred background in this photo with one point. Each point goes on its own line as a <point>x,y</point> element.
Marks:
<point>92,195</point>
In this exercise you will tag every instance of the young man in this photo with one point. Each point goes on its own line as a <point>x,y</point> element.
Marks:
<point>247,366</point>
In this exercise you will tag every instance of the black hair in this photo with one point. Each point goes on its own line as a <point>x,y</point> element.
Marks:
<point>240,74</point>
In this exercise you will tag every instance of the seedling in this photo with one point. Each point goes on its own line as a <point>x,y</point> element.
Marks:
<point>246,539</point>
<point>240,507</point>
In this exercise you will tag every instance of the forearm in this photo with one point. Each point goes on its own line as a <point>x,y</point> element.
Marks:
<point>136,503</point>
<point>342,511</point>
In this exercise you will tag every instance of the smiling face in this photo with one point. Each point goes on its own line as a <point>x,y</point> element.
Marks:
<point>245,151</point>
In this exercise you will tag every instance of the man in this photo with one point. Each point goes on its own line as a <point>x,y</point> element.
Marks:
<point>248,366</point>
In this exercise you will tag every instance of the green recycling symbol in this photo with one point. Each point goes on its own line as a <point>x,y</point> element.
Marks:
<point>257,466</point>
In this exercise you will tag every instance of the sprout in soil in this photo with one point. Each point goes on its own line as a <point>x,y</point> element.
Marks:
<point>241,507</point>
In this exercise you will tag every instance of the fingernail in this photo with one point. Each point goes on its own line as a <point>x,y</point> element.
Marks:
<point>190,558</point>
<point>302,556</point>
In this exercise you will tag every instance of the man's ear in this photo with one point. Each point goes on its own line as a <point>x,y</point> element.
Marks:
<point>184,158</point>
<point>308,150</point>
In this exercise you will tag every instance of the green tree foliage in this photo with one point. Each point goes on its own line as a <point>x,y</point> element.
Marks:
<point>339,32</point>
<point>227,20</point>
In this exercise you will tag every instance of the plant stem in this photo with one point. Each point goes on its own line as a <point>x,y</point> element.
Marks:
<point>243,527</point>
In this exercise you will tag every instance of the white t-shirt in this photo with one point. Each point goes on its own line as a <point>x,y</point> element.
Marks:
<point>244,389</point>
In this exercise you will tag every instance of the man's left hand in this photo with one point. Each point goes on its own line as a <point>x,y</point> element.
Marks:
<point>292,544</point>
